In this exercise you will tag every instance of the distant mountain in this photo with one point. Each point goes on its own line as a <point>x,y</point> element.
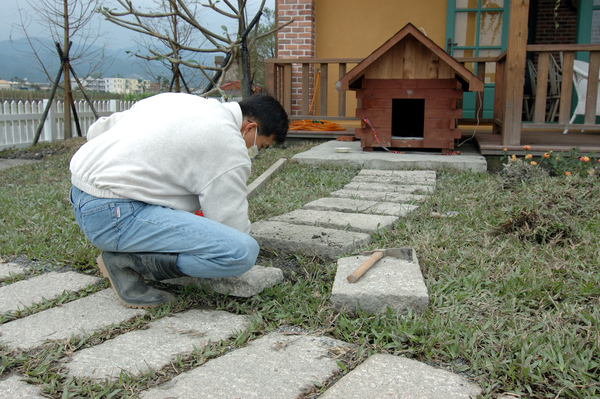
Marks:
<point>17,60</point>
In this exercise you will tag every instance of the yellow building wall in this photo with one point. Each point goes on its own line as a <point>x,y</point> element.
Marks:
<point>356,28</point>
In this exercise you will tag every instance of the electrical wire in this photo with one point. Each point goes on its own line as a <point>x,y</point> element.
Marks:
<point>477,125</point>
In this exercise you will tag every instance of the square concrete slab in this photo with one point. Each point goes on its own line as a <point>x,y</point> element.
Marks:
<point>425,177</point>
<point>350,205</point>
<point>397,188</point>
<point>388,376</point>
<point>309,240</point>
<point>253,282</point>
<point>384,196</point>
<point>14,387</point>
<point>275,366</point>
<point>365,223</point>
<point>396,283</point>
<point>429,175</point>
<point>48,286</point>
<point>83,316</point>
<point>383,160</point>
<point>8,270</point>
<point>153,348</point>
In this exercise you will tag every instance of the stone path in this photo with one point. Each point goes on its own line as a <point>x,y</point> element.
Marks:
<point>275,365</point>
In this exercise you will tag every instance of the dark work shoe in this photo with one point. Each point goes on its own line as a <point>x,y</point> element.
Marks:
<point>123,271</point>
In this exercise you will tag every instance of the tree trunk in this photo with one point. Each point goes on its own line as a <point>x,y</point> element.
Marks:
<point>66,78</point>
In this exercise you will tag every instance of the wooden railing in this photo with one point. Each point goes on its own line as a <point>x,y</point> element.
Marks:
<point>540,118</point>
<point>281,82</point>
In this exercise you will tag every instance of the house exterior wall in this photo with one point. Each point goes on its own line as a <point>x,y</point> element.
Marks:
<point>546,29</point>
<point>355,28</point>
<point>347,29</point>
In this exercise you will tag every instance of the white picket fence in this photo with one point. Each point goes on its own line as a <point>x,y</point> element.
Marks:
<point>19,120</point>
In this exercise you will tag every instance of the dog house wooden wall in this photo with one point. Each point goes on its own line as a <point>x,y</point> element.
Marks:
<point>410,91</point>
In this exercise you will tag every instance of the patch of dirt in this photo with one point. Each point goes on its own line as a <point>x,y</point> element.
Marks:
<point>43,150</point>
<point>538,227</point>
<point>289,264</point>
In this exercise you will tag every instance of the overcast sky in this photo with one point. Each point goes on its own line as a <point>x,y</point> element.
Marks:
<point>117,36</point>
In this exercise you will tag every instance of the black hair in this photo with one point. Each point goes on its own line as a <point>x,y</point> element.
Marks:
<point>268,113</point>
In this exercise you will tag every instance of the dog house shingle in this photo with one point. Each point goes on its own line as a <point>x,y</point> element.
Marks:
<point>410,91</point>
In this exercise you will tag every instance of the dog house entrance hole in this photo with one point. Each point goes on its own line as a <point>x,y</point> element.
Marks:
<point>408,117</point>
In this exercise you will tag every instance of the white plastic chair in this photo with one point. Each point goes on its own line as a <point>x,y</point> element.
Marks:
<point>580,81</point>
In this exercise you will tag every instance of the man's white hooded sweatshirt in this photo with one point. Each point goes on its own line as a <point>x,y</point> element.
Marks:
<point>175,150</point>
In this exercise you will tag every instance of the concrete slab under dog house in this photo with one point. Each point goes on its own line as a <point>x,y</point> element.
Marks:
<point>392,282</point>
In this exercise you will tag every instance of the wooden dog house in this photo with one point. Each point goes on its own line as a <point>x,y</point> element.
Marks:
<point>410,91</point>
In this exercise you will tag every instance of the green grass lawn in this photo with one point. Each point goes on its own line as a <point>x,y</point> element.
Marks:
<point>513,279</point>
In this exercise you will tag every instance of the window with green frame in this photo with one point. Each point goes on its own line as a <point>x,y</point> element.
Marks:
<point>477,28</point>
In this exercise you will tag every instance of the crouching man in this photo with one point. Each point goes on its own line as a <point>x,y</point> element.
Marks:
<point>144,172</point>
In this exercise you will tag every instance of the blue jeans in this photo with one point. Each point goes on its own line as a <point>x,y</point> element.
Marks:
<point>206,248</point>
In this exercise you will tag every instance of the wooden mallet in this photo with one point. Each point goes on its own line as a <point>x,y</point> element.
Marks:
<point>375,256</point>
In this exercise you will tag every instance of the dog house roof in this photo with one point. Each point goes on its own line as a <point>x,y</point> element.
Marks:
<point>349,81</point>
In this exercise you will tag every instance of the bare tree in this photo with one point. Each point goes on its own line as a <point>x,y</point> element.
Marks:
<point>64,21</point>
<point>234,46</point>
<point>155,50</point>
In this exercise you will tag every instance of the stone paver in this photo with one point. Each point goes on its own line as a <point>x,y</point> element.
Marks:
<point>274,366</point>
<point>391,282</point>
<point>360,206</point>
<point>385,196</point>
<point>388,376</point>
<point>253,282</point>
<point>10,269</point>
<point>400,188</point>
<point>310,240</point>
<point>412,175</point>
<point>83,316</point>
<point>14,387</point>
<point>397,180</point>
<point>25,293</point>
<point>154,347</point>
<point>365,223</point>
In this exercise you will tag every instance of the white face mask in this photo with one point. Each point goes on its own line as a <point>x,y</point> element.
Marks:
<point>253,151</point>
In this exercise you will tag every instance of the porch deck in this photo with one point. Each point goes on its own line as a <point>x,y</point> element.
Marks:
<point>540,141</point>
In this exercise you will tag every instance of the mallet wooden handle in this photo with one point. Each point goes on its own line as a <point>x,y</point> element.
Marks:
<point>365,266</point>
